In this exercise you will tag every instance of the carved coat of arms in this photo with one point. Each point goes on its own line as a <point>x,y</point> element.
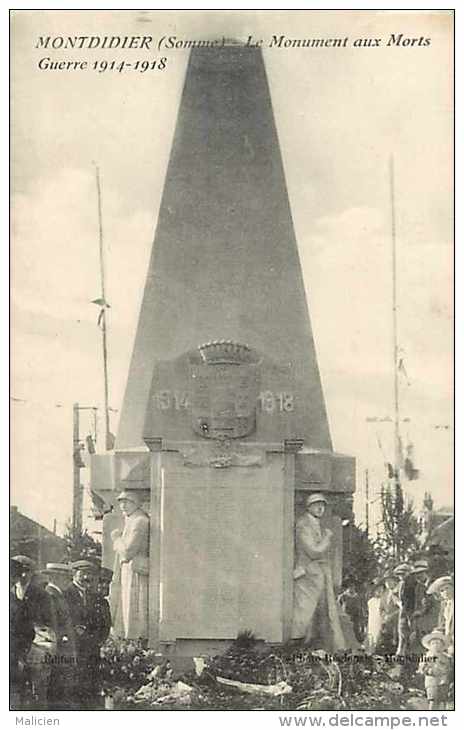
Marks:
<point>224,388</point>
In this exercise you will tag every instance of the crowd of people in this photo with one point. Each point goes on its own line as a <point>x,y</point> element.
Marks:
<point>410,620</point>
<point>59,619</point>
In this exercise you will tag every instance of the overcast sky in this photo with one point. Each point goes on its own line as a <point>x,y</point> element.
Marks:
<point>340,113</point>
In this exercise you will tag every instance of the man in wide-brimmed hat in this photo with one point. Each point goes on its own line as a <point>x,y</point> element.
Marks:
<point>129,588</point>
<point>444,583</point>
<point>315,614</point>
<point>402,570</point>
<point>443,589</point>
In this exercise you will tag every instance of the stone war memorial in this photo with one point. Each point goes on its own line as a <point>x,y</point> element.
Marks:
<point>223,429</point>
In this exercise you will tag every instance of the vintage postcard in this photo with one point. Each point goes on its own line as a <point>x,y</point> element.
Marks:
<point>232,361</point>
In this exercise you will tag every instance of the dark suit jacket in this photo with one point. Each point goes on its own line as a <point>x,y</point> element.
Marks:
<point>103,619</point>
<point>21,630</point>
<point>89,615</point>
<point>37,605</point>
<point>407,595</point>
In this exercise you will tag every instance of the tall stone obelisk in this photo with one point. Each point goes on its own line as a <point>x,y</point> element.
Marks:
<point>224,387</point>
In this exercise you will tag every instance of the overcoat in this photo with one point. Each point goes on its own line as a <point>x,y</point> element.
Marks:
<point>129,588</point>
<point>315,611</point>
<point>89,630</point>
<point>63,625</point>
<point>37,606</point>
<point>64,665</point>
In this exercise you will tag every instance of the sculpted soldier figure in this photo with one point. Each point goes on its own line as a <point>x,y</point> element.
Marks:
<point>315,614</point>
<point>129,589</point>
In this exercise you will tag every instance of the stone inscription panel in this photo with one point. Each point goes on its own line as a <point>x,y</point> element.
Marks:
<point>221,551</point>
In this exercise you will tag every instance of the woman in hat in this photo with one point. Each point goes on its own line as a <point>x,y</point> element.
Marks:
<point>315,614</point>
<point>129,588</point>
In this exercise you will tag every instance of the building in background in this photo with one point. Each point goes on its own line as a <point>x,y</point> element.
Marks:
<point>28,537</point>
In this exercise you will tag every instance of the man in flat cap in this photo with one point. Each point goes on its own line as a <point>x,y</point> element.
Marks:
<point>315,615</point>
<point>129,589</point>
<point>21,637</point>
<point>64,663</point>
<point>86,618</point>
<point>35,606</point>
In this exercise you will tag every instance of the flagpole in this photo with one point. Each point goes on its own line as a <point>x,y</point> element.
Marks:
<point>366,484</point>
<point>397,478</point>
<point>103,313</point>
<point>395,322</point>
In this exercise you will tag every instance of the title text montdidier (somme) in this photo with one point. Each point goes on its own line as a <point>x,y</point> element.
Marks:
<point>148,42</point>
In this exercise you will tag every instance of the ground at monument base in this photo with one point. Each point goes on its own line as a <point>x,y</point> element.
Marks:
<point>259,677</point>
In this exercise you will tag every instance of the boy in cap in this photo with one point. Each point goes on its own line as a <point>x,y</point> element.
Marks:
<point>436,669</point>
<point>314,605</point>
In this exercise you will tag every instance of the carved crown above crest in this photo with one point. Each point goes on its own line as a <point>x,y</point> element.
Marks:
<point>226,352</point>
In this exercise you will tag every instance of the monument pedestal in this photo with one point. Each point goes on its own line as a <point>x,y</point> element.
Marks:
<point>222,537</point>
